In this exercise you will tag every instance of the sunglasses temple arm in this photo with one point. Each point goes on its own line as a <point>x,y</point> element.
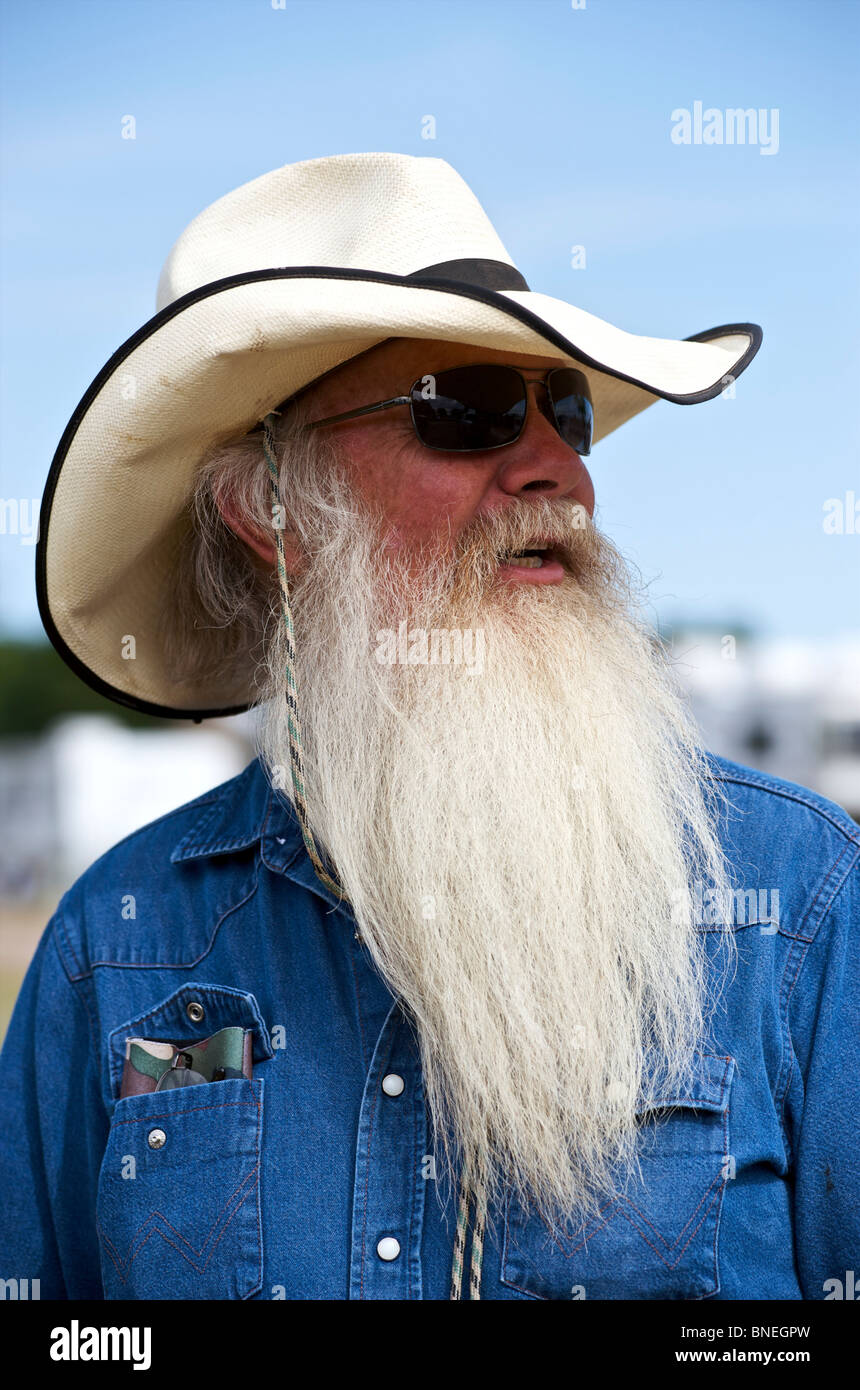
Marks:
<point>363,410</point>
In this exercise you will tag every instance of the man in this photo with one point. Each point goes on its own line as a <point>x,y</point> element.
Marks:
<point>534,998</point>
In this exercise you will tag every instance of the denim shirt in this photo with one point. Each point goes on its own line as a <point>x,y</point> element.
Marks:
<point>283,1186</point>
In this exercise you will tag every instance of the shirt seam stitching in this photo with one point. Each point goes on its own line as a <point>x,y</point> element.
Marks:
<point>851,835</point>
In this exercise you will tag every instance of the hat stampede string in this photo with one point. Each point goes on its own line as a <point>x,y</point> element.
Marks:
<point>298,781</point>
<point>476,1260</point>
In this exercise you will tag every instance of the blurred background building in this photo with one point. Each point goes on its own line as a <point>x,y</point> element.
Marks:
<point>788,707</point>
<point>71,793</point>
<point>77,774</point>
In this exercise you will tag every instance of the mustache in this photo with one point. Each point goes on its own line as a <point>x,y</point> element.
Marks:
<point>560,526</point>
<point>464,570</point>
<point>524,524</point>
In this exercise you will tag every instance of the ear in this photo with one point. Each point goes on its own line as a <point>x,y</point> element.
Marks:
<point>260,542</point>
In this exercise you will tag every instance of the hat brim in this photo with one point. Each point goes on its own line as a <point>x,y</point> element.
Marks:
<point>210,366</point>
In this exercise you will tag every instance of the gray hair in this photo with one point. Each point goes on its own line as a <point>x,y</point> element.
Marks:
<point>224,597</point>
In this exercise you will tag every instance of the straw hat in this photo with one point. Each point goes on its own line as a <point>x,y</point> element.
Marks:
<point>265,290</point>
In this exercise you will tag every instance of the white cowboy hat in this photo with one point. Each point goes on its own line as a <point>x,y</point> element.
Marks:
<point>267,289</point>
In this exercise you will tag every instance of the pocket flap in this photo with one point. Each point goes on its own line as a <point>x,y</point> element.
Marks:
<point>706,1086</point>
<point>193,1012</point>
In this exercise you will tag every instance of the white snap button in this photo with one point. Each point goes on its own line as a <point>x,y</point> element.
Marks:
<point>156,1139</point>
<point>392,1084</point>
<point>388,1248</point>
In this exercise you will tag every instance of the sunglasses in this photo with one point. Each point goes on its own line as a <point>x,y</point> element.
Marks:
<point>465,410</point>
<point>181,1073</point>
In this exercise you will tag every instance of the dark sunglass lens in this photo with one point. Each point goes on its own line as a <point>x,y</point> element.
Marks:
<point>466,409</point>
<point>571,402</point>
<point>180,1076</point>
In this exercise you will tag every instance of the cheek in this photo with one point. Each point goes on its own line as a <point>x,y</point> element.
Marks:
<point>435,505</point>
<point>417,495</point>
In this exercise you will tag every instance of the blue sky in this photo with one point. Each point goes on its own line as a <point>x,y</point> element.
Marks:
<point>560,120</point>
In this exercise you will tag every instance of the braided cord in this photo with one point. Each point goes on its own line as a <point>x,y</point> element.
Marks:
<point>460,1240</point>
<point>297,772</point>
<point>476,1259</point>
<point>476,1262</point>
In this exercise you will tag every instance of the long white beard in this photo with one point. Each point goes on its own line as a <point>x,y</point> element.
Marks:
<point>519,843</point>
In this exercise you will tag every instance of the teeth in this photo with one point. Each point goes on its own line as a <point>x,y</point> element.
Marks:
<point>529,562</point>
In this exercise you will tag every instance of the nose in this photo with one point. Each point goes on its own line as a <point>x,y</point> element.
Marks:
<point>541,462</point>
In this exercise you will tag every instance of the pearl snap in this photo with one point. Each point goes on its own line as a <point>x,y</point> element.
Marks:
<point>393,1084</point>
<point>388,1248</point>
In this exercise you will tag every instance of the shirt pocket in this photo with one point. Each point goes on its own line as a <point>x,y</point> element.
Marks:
<point>660,1239</point>
<point>178,1205</point>
<point>178,1202</point>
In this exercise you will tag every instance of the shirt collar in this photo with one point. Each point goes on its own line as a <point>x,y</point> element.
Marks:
<point>246,811</point>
